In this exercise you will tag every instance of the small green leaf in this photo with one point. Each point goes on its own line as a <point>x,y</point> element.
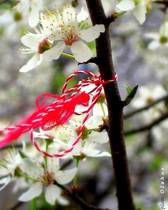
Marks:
<point>131,91</point>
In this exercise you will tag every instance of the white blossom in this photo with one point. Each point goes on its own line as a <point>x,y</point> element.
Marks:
<point>8,164</point>
<point>139,8</point>
<point>41,47</point>
<point>159,39</point>
<point>44,177</point>
<point>147,95</point>
<point>64,27</point>
<point>89,145</point>
<point>30,8</point>
<point>60,29</point>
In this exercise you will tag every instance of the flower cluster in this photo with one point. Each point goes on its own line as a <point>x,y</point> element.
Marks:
<point>66,127</point>
<point>139,8</point>
<point>63,127</point>
<point>60,30</point>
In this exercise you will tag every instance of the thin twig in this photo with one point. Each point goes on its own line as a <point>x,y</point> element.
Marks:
<point>91,60</point>
<point>163,4</point>
<point>148,126</point>
<point>144,108</point>
<point>73,195</point>
<point>17,205</point>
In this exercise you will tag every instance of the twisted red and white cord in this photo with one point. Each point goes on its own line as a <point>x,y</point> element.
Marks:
<point>51,114</point>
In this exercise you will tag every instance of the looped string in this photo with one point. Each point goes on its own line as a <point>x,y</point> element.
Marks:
<point>51,114</point>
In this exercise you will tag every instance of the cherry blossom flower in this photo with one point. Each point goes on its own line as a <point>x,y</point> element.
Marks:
<point>147,95</point>
<point>60,29</point>
<point>41,47</point>
<point>66,30</point>
<point>63,137</point>
<point>139,8</point>
<point>159,39</point>
<point>8,164</point>
<point>44,177</point>
<point>30,8</point>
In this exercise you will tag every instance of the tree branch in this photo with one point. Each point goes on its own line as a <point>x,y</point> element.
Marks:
<point>144,108</point>
<point>115,109</point>
<point>73,195</point>
<point>148,126</point>
<point>91,60</point>
<point>163,3</point>
<point>17,205</point>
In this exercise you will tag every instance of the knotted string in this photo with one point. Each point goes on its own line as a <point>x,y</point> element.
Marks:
<point>51,114</point>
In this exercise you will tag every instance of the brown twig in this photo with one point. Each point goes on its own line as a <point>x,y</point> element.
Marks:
<point>115,109</point>
<point>144,108</point>
<point>74,196</point>
<point>163,4</point>
<point>17,205</point>
<point>148,126</point>
<point>91,60</point>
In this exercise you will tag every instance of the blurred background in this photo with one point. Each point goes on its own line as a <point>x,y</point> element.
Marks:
<point>135,64</point>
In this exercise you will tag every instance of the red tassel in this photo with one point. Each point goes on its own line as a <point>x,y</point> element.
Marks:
<point>48,115</point>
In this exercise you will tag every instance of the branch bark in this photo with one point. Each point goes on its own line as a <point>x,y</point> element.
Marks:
<point>115,109</point>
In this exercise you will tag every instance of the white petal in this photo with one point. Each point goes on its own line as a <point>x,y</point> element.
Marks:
<point>153,45</point>
<point>34,17</point>
<point>31,168</point>
<point>154,36</point>
<point>98,137</point>
<point>82,15</point>
<point>52,193</point>
<point>4,182</point>
<point>63,201</point>
<point>140,13</point>
<point>100,110</point>
<point>81,51</point>
<point>36,6</point>
<point>92,33</point>
<point>23,6</point>
<point>91,151</point>
<point>53,164</point>
<point>54,52</point>
<point>103,154</point>
<point>35,61</point>
<point>64,177</point>
<point>32,40</point>
<point>125,5</point>
<point>94,122</point>
<point>164,29</point>
<point>34,191</point>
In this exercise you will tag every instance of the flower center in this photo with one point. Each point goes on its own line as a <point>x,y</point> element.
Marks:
<point>47,178</point>
<point>44,45</point>
<point>149,100</point>
<point>163,39</point>
<point>70,35</point>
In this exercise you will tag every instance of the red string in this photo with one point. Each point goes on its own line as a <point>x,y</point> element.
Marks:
<point>51,114</point>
